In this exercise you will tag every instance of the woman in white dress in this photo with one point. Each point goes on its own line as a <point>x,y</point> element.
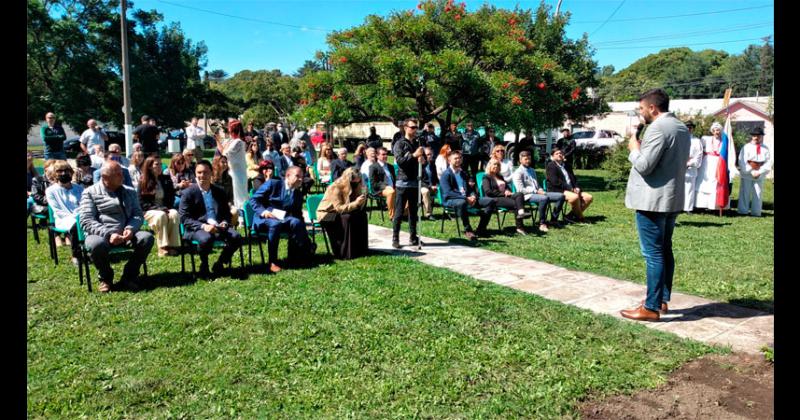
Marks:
<point>234,149</point>
<point>707,175</point>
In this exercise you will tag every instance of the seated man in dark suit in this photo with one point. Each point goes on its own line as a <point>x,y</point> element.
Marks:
<point>110,215</point>
<point>561,179</point>
<point>458,192</point>
<point>278,206</point>
<point>382,179</point>
<point>113,155</point>
<point>339,165</point>
<point>206,216</point>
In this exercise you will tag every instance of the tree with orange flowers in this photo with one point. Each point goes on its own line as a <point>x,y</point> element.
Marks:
<point>439,61</point>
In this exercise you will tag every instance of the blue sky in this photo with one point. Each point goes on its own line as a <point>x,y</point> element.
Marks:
<point>243,34</point>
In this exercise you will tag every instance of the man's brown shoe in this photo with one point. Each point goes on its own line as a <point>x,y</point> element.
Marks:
<point>640,314</point>
<point>664,308</point>
<point>471,236</point>
<point>273,268</point>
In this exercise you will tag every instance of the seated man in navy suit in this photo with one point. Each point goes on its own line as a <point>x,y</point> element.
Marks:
<point>458,192</point>
<point>278,207</point>
<point>206,216</point>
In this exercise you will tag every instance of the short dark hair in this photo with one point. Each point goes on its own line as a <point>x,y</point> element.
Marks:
<point>657,97</point>
<point>554,150</point>
<point>524,153</point>
<point>564,129</point>
<point>454,152</point>
<point>204,162</point>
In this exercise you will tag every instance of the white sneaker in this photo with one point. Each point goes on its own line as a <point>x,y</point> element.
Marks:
<point>521,231</point>
<point>543,228</point>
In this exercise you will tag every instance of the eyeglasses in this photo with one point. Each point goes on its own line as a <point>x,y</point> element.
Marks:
<point>413,127</point>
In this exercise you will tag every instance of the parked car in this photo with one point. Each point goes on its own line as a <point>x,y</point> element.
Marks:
<point>593,139</point>
<point>72,145</point>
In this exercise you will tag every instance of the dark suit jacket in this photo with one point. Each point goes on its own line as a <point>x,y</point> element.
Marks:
<point>126,176</point>
<point>449,186</point>
<point>280,166</point>
<point>491,189</point>
<point>148,201</point>
<point>272,195</point>
<point>555,178</point>
<point>337,167</point>
<point>433,178</point>
<point>193,208</point>
<point>377,177</point>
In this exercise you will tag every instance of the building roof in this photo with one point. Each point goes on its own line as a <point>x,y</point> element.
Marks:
<point>758,108</point>
<point>692,106</point>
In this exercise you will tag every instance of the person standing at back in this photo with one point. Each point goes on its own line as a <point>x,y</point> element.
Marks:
<point>655,192</point>
<point>53,137</point>
<point>692,164</point>
<point>470,147</point>
<point>147,134</point>
<point>194,138</point>
<point>93,136</point>
<point>754,165</point>
<point>408,159</point>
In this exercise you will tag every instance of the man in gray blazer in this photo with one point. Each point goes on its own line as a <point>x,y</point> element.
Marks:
<point>655,191</point>
<point>110,215</point>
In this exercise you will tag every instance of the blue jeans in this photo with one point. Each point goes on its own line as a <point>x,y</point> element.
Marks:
<point>655,238</point>
<point>55,155</point>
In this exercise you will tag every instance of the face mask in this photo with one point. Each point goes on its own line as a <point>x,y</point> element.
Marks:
<point>64,178</point>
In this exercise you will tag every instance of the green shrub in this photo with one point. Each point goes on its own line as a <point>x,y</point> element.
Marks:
<point>618,167</point>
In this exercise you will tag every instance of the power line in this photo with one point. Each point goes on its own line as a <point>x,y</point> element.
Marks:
<point>609,18</point>
<point>674,16</point>
<point>681,45</point>
<point>303,27</point>
<point>688,34</point>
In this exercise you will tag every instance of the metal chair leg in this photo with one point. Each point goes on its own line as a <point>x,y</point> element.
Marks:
<point>35,229</point>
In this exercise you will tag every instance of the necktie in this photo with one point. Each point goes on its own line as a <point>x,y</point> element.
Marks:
<point>758,149</point>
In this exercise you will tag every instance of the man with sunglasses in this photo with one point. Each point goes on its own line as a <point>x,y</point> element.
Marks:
<point>408,158</point>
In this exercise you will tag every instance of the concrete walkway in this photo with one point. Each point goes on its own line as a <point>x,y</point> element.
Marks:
<point>744,329</point>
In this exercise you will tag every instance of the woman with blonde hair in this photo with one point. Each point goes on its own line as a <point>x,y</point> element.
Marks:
<point>157,196</point>
<point>506,166</point>
<point>64,197</point>
<point>496,188</point>
<point>324,163</point>
<point>135,168</point>
<point>343,216</point>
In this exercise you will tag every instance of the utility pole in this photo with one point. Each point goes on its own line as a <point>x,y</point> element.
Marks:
<point>126,85</point>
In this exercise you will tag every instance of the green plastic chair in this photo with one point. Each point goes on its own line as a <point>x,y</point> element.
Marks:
<point>377,200</point>
<point>312,204</point>
<point>193,247</point>
<point>450,213</point>
<point>321,186</point>
<point>85,256</point>
<point>532,206</point>
<point>52,231</point>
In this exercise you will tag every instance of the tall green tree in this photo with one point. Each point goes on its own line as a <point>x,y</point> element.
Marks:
<point>74,63</point>
<point>513,68</point>
<point>263,95</point>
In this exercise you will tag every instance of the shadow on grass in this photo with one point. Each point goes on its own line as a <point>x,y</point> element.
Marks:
<point>703,224</point>
<point>715,310</point>
<point>167,279</point>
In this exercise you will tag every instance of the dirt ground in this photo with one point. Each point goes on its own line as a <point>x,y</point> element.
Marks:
<point>735,386</point>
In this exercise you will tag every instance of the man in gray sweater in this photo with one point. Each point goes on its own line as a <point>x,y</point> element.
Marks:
<point>110,215</point>
<point>655,191</point>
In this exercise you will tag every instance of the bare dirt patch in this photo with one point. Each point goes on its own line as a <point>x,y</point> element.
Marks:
<point>735,386</point>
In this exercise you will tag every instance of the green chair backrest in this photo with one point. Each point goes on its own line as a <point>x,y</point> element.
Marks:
<point>513,187</point>
<point>163,167</point>
<point>81,235</point>
<point>249,214</point>
<point>183,230</point>
<point>39,170</point>
<point>312,203</point>
<point>51,219</point>
<point>479,183</point>
<point>544,184</point>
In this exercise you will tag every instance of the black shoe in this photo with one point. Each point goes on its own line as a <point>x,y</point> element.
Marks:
<point>415,241</point>
<point>482,232</point>
<point>127,284</point>
<point>395,243</point>
<point>524,215</point>
<point>203,273</point>
<point>217,269</point>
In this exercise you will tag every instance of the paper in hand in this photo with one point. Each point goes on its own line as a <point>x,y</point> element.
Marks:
<point>279,214</point>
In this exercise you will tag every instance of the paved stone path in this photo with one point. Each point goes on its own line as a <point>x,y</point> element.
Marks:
<point>743,329</point>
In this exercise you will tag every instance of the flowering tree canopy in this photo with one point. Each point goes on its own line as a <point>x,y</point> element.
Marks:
<point>511,68</point>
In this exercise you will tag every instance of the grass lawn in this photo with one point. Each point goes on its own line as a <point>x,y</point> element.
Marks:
<point>380,336</point>
<point>728,259</point>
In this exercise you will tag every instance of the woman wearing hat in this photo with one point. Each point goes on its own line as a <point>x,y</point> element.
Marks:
<point>692,164</point>
<point>754,165</point>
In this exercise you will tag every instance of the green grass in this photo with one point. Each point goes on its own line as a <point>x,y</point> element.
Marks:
<point>728,259</point>
<point>380,336</point>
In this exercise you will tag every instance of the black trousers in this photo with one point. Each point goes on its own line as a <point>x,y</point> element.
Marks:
<point>471,163</point>
<point>516,202</point>
<point>410,196</point>
<point>348,233</point>
<point>232,239</point>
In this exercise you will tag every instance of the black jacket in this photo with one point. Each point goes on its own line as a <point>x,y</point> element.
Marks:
<point>148,201</point>
<point>193,208</point>
<point>555,178</point>
<point>377,177</point>
<point>374,141</point>
<point>337,167</point>
<point>403,152</point>
<point>491,189</point>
